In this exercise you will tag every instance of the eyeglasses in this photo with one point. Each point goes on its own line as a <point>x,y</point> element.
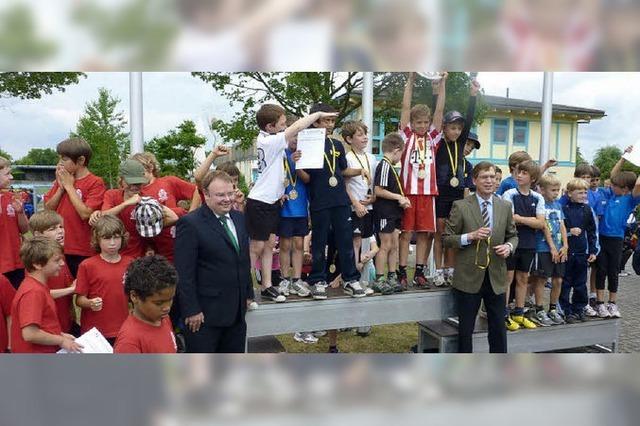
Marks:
<point>488,260</point>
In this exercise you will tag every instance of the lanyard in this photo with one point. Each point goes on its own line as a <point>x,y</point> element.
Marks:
<point>454,164</point>
<point>422,148</point>
<point>332,165</point>
<point>486,265</point>
<point>292,180</point>
<point>366,157</point>
<point>394,174</point>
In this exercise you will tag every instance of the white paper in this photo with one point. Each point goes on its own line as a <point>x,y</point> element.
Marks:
<point>93,342</point>
<point>311,144</point>
<point>633,156</point>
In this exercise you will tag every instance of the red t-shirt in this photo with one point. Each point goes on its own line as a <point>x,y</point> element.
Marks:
<point>33,305</point>
<point>168,190</point>
<point>113,198</point>
<point>77,239</point>
<point>10,239</point>
<point>7,293</point>
<point>139,337</point>
<point>99,278</point>
<point>63,304</point>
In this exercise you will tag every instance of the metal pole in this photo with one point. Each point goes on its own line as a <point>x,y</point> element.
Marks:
<point>547,106</point>
<point>367,104</point>
<point>135,106</point>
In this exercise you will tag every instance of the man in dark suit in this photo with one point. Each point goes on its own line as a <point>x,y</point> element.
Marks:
<point>214,278</point>
<point>481,227</point>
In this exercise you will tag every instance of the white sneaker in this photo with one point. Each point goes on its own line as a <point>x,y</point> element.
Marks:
<point>603,312</point>
<point>438,279</point>
<point>305,337</point>
<point>252,306</point>
<point>319,333</point>
<point>284,286</point>
<point>365,286</point>
<point>590,312</point>
<point>298,287</point>
<point>614,312</point>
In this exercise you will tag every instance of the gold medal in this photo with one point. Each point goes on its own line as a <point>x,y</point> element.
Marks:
<point>333,181</point>
<point>293,194</point>
<point>332,268</point>
<point>454,182</point>
<point>422,174</point>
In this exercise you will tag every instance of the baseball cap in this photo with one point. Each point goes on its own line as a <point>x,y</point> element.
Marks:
<point>133,172</point>
<point>149,217</point>
<point>472,136</point>
<point>453,116</point>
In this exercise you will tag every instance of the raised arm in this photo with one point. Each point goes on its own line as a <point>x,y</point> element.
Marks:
<point>203,168</point>
<point>305,122</point>
<point>438,113</point>
<point>618,167</point>
<point>406,100</point>
<point>471,110</point>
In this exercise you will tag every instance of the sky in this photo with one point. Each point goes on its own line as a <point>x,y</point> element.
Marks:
<point>170,98</point>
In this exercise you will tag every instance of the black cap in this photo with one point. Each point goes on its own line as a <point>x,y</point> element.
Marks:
<point>453,116</point>
<point>473,137</point>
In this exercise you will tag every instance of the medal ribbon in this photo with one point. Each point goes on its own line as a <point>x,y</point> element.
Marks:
<point>292,181</point>
<point>454,163</point>
<point>486,265</point>
<point>332,166</point>
<point>393,170</point>
<point>366,157</point>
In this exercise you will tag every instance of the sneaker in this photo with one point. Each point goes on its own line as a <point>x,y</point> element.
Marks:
<point>380,286</point>
<point>522,321</point>
<point>572,319</point>
<point>272,294</point>
<point>614,312</point>
<point>548,284</point>
<point>530,302</point>
<point>404,281</point>
<point>299,287</point>
<point>530,314</point>
<point>363,331</point>
<point>319,290</point>
<point>543,319</point>
<point>623,274</point>
<point>421,281</point>
<point>581,317</point>
<point>252,306</point>
<point>353,289</point>
<point>394,284</point>
<point>448,279</point>
<point>319,333</point>
<point>511,324</point>
<point>305,337</point>
<point>555,317</point>
<point>368,291</point>
<point>438,279</point>
<point>603,312</point>
<point>283,287</point>
<point>334,350</point>
<point>589,311</point>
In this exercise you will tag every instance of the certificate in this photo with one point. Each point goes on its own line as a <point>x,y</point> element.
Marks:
<point>634,156</point>
<point>311,144</point>
<point>93,342</point>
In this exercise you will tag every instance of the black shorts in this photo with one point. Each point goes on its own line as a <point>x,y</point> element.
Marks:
<point>522,260</point>
<point>261,219</point>
<point>293,227</point>
<point>545,268</point>
<point>443,206</point>
<point>362,226</point>
<point>388,225</point>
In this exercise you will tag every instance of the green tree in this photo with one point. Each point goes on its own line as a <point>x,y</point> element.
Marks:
<point>297,91</point>
<point>174,151</point>
<point>39,157</point>
<point>19,43</point>
<point>5,154</point>
<point>607,157</point>
<point>579,158</point>
<point>32,85</point>
<point>104,128</point>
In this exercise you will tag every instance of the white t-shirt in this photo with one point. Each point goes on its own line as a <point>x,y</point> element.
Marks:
<point>269,185</point>
<point>358,185</point>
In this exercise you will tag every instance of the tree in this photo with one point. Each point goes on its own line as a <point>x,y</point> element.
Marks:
<point>5,155</point>
<point>32,85</point>
<point>174,151</point>
<point>579,158</point>
<point>39,157</point>
<point>607,157</point>
<point>297,91</point>
<point>104,129</point>
<point>19,44</point>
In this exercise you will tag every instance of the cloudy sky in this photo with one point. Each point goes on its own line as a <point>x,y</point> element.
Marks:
<point>170,98</point>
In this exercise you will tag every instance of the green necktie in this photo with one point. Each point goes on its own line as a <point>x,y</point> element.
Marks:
<point>223,220</point>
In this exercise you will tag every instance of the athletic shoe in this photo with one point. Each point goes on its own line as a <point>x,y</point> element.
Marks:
<point>353,289</point>
<point>623,274</point>
<point>252,306</point>
<point>272,294</point>
<point>530,314</point>
<point>548,284</point>
<point>380,286</point>
<point>319,290</point>
<point>522,321</point>
<point>555,317</point>
<point>305,337</point>
<point>363,331</point>
<point>334,350</point>
<point>438,279</point>
<point>299,287</point>
<point>543,319</point>
<point>319,333</point>
<point>284,286</point>
<point>511,324</point>
<point>590,312</point>
<point>448,280</point>
<point>572,319</point>
<point>404,281</point>
<point>581,317</point>
<point>420,281</point>
<point>603,312</point>
<point>530,302</point>
<point>395,285</point>
<point>367,289</point>
<point>613,310</point>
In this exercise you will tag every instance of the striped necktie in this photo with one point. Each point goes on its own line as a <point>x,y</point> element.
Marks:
<point>485,215</point>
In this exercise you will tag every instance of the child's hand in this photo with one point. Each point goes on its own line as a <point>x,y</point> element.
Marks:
<point>306,258</point>
<point>322,114</point>
<point>65,178</point>
<point>367,201</point>
<point>72,287</point>
<point>555,256</point>
<point>360,210</point>
<point>93,219</point>
<point>69,344</point>
<point>220,151</point>
<point>239,197</point>
<point>592,258</point>
<point>133,200</point>
<point>170,217</point>
<point>296,156</point>
<point>628,149</point>
<point>550,163</point>
<point>575,231</point>
<point>96,304</point>
<point>365,174</point>
<point>564,252</point>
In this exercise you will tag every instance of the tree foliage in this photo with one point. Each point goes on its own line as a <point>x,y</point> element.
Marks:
<point>5,155</point>
<point>104,128</point>
<point>33,85</point>
<point>298,90</point>
<point>174,151</point>
<point>579,158</point>
<point>607,157</point>
<point>19,43</point>
<point>39,157</point>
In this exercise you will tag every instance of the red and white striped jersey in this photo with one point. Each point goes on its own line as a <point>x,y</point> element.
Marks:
<point>411,159</point>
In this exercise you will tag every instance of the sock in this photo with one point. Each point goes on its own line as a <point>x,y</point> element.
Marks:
<point>552,306</point>
<point>333,347</point>
<point>378,276</point>
<point>592,296</point>
<point>294,279</point>
<point>539,308</point>
<point>402,270</point>
<point>518,312</point>
<point>599,303</point>
<point>612,303</point>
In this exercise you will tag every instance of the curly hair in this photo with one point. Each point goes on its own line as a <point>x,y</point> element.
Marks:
<point>149,275</point>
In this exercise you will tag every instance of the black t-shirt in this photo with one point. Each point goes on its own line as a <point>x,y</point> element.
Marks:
<point>321,194</point>
<point>386,179</point>
<point>444,172</point>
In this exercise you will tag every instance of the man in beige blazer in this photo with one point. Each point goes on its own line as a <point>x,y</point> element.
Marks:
<point>482,230</point>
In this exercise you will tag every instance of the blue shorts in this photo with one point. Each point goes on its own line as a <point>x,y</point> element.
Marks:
<point>293,227</point>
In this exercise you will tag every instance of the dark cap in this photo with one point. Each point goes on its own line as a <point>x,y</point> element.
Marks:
<point>473,137</point>
<point>453,116</point>
<point>132,172</point>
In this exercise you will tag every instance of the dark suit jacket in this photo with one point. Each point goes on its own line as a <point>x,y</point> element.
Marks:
<point>466,217</point>
<point>212,277</point>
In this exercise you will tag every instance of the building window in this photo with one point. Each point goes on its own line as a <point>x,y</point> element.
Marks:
<point>500,131</point>
<point>520,132</point>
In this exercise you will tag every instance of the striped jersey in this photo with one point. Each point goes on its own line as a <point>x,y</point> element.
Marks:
<point>412,158</point>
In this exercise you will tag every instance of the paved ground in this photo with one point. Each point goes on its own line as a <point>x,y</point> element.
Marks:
<point>629,304</point>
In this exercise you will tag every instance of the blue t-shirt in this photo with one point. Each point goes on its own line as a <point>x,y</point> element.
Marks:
<point>553,217</point>
<point>617,209</point>
<point>507,184</point>
<point>300,206</point>
<point>321,194</point>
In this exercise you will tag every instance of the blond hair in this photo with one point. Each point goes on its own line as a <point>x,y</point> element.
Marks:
<point>548,181</point>
<point>577,184</point>
<point>148,161</point>
<point>106,227</point>
<point>4,163</point>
